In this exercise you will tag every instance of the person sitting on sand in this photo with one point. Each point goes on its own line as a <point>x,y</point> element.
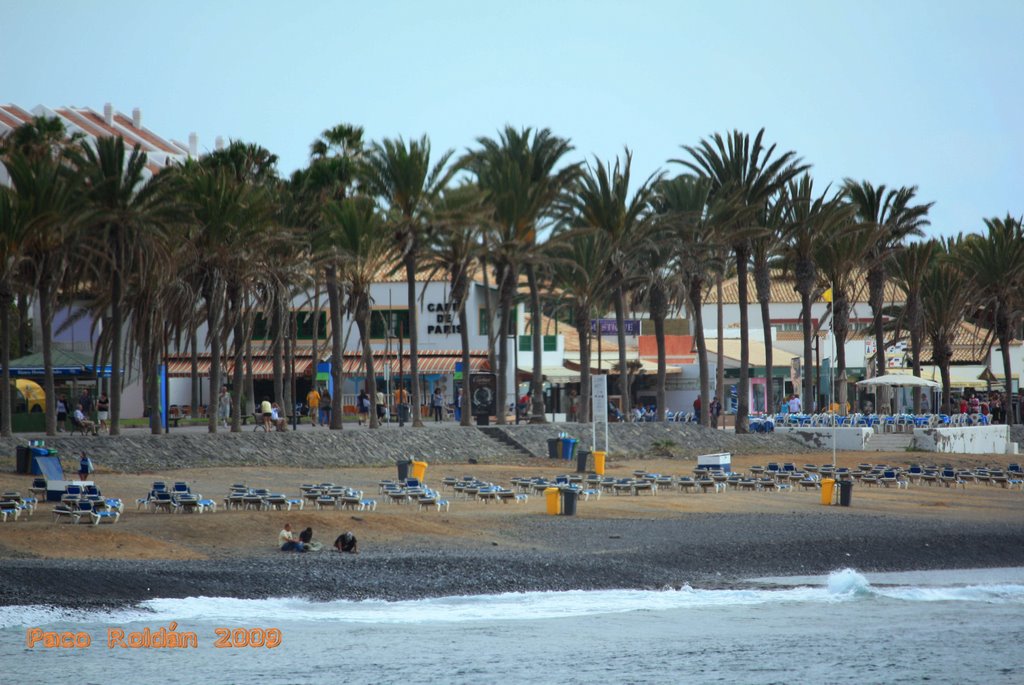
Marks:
<point>346,542</point>
<point>288,541</point>
<point>306,537</point>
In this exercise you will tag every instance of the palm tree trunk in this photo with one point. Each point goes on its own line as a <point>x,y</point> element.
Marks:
<point>24,332</point>
<point>414,337</point>
<point>213,316</point>
<point>659,336</point>
<point>5,359</point>
<point>876,299</point>
<point>337,354</point>
<point>620,322</point>
<point>942,358</point>
<point>46,287</point>
<point>840,328</point>
<point>769,371</point>
<point>1005,336</point>
<point>702,351</point>
<point>720,347</point>
<point>807,330</point>
<point>152,386</point>
<point>116,330</point>
<point>276,346</point>
<point>914,314</point>
<point>467,419</point>
<point>743,387</point>
<point>315,351</point>
<point>237,370</point>
<point>763,284</point>
<point>583,414</point>
<point>538,351</point>
<point>505,293</point>
<point>363,324</point>
<point>250,385</point>
<point>194,376</point>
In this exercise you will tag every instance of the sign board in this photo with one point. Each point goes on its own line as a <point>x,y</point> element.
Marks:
<point>611,327</point>
<point>483,394</point>
<point>458,371</point>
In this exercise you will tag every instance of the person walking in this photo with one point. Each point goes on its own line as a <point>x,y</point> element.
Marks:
<point>103,411</point>
<point>716,411</point>
<point>224,405</point>
<point>363,406</point>
<point>325,409</point>
<point>62,413</point>
<point>437,405</point>
<point>313,402</point>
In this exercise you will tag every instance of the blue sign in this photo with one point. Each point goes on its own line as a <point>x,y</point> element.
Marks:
<point>610,326</point>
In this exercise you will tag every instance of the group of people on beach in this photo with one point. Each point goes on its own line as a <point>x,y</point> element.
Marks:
<point>346,542</point>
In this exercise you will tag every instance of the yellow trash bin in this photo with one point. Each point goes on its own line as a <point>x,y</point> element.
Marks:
<point>827,484</point>
<point>553,497</point>
<point>419,470</point>
<point>599,462</point>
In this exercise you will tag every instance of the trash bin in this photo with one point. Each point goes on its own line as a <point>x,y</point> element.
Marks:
<point>599,462</point>
<point>845,492</point>
<point>569,496</point>
<point>403,469</point>
<point>569,448</point>
<point>23,459</point>
<point>419,470</point>
<point>554,448</point>
<point>551,497</point>
<point>826,490</point>
<point>581,461</point>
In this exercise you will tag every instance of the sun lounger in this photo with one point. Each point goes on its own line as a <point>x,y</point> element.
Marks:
<point>66,513</point>
<point>10,509</point>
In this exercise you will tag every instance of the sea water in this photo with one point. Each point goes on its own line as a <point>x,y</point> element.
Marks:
<point>962,627</point>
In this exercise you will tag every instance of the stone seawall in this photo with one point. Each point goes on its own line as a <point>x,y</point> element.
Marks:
<point>137,451</point>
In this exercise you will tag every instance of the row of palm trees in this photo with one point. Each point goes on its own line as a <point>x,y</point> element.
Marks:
<point>222,240</point>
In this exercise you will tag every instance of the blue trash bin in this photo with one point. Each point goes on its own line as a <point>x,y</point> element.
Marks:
<point>569,448</point>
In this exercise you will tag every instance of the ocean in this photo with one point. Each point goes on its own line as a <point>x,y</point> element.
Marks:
<point>848,627</point>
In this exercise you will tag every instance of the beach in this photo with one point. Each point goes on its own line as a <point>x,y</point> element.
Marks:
<point>670,540</point>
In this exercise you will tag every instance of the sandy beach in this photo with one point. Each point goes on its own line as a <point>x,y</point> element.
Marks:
<point>672,539</point>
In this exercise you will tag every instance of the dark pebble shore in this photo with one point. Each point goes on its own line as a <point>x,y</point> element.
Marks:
<point>702,550</point>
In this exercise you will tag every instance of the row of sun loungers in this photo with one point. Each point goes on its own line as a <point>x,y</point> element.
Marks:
<point>13,505</point>
<point>85,504</point>
<point>413,492</point>
<point>178,498</point>
<point>329,495</point>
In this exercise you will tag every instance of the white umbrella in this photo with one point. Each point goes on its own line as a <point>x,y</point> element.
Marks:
<point>900,380</point>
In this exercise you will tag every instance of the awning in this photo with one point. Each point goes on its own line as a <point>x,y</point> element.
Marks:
<point>558,375</point>
<point>428,364</point>
<point>610,364</point>
<point>262,367</point>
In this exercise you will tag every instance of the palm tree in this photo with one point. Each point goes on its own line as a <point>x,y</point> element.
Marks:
<point>333,171</point>
<point>600,199</point>
<point>995,266</point>
<point>842,254</point>
<point>764,249</point>
<point>227,218</point>
<point>744,172</point>
<point>12,240</point>
<point>908,268</point>
<point>576,269</point>
<point>809,221</point>
<point>682,205</point>
<point>946,293</point>
<point>356,229</point>
<point>893,213</point>
<point>455,247</point>
<point>400,173</point>
<point>46,202</point>
<point>121,207</point>
<point>517,174</point>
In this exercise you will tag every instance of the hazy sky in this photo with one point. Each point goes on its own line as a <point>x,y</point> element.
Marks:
<point>898,93</point>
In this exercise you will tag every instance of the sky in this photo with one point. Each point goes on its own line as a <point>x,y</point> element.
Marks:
<point>897,93</point>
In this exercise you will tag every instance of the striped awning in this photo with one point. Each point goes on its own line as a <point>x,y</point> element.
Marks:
<point>430,364</point>
<point>262,367</point>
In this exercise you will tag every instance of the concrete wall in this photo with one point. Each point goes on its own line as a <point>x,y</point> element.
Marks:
<point>852,439</point>
<point>971,440</point>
